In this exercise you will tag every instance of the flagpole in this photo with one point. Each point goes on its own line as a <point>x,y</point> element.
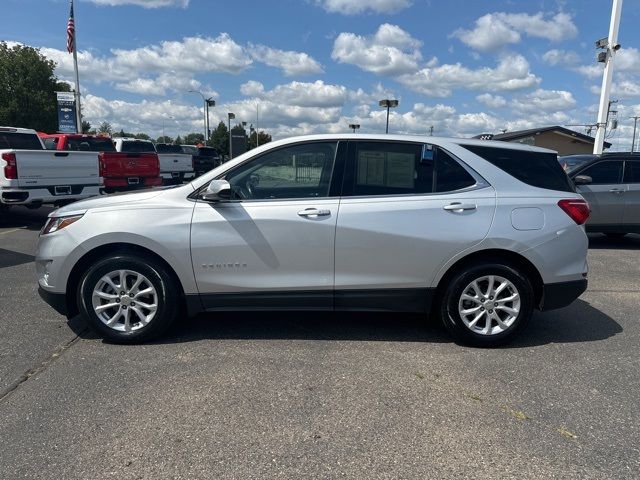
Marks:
<point>75,66</point>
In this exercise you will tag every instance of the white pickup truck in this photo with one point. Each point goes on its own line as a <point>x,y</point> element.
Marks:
<point>32,176</point>
<point>175,166</point>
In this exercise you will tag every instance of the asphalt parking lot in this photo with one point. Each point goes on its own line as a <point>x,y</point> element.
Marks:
<point>247,395</point>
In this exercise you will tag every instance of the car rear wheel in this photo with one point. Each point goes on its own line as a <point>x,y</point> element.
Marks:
<point>128,299</point>
<point>487,305</point>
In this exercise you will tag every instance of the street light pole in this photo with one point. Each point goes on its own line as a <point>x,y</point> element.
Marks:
<point>206,113</point>
<point>355,126</point>
<point>633,140</point>
<point>230,116</point>
<point>611,46</point>
<point>388,104</point>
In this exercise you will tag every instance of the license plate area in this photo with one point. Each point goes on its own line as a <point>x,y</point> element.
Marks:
<point>62,190</point>
<point>133,181</point>
<point>175,174</point>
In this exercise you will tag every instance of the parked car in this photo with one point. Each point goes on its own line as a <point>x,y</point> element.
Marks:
<point>611,184</point>
<point>121,171</point>
<point>204,158</point>
<point>571,162</point>
<point>477,232</point>
<point>32,176</point>
<point>175,165</point>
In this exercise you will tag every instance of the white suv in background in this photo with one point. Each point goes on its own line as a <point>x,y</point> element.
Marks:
<point>477,232</point>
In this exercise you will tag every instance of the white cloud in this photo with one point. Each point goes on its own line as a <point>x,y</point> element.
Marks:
<point>544,102</point>
<point>353,7</point>
<point>511,73</point>
<point>143,3</point>
<point>492,101</point>
<point>564,58</point>
<point>163,84</point>
<point>292,63</point>
<point>391,50</point>
<point>495,30</point>
<point>300,94</point>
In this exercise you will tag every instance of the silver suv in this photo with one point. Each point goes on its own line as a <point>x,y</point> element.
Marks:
<point>478,233</point>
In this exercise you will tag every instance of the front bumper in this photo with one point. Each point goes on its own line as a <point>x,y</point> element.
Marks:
<point>56,300</point>
<point>558,295</point>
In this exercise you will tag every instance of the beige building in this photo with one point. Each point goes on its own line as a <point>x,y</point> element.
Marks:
<point>560,139</point>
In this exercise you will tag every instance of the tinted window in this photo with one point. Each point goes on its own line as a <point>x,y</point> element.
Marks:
<point>571,162</point>
<point>19,141</point>
<point>537,169</point>
<point>139,147</point>
<point>50,143</point>
<point>88,144</point>
<point>450,175</point>
<point>168,148</point>
<point>207,152</point>
<point>385,168</point>
<point>632,172</point>
<point>603,173</point>
<point>298,171</point>
<point>190,149</point>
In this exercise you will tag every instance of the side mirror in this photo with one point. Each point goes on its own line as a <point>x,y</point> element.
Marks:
<point>217,191</point>
<point>582,180</point>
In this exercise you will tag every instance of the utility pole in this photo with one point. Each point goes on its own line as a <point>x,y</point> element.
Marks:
<point>431,131</point>
<point>611,46</point>
<point>633,139</point>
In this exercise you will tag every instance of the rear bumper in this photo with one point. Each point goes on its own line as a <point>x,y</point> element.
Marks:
<point>558,295</point>
<point>126,182</point>
<point>39,195</point>
<point>56,300</point>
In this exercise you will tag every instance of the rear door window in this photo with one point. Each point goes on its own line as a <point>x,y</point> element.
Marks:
<point>538,169</point>
<point>604,173</point>
<point>138,147</point>
<point>19,141</point>
<point>450,175</point>
<point>632,172</point>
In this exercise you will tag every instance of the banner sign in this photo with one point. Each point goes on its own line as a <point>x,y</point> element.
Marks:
<point>66,112</point>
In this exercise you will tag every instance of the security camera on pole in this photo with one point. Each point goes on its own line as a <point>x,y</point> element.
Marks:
<point>610,46</point>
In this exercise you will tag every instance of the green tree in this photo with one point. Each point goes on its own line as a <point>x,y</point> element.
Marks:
<point>220,139</point>
<point>141,136</point>
<point>27,89</point>
<point>86,126</point>
<point>105,127</point>
<point>164,139</point>
<point>178,140</point>
<point>263,137</point>
<point>193,138</point>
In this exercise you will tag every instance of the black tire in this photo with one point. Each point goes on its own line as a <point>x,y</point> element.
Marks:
<point>449,303</point>
<point>615,235</point>
<point>168,299</point>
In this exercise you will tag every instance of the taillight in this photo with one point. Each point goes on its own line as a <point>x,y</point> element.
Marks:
<point>102,166</point>
<point>577,209</point>
<point>11,169</point>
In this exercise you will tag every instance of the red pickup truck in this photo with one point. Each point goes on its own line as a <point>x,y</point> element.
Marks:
<point>120,171</point>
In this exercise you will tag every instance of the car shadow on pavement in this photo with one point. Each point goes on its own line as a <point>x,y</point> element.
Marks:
<point>9,258</point>
<point>579,322</point>
<point>628,242</point>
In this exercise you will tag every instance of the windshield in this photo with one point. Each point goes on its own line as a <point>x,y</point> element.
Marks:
<point>138,147</point>
<point>571,162</point>
<point>168,148</point>
<point>90,144</point>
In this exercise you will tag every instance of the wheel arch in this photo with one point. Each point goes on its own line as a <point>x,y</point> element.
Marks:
<point>106,250</point>
<point>496,255</point>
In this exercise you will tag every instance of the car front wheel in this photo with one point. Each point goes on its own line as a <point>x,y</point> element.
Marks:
<point>487,305</point>
<point>128,299</point>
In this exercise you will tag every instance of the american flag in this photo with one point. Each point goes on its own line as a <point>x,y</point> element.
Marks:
<point>71,32</point>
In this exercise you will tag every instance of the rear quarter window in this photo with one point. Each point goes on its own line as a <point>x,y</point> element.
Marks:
<point>538,169</point>
<point>19,141</point>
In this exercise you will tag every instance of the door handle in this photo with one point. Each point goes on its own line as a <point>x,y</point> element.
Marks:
<point>617,191</point>
<point>459,207</point>
<point>314,212</point>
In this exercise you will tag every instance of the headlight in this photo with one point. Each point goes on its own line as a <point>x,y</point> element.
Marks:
<point>58,223</point>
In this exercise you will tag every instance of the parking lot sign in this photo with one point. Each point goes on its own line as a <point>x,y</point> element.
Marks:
<point>66,112</point>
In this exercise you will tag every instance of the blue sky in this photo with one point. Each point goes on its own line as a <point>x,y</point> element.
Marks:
<point>317,65</point>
